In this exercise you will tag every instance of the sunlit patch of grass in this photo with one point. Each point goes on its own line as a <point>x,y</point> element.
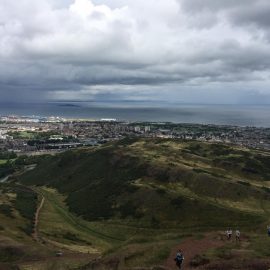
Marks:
<point>3,161</point>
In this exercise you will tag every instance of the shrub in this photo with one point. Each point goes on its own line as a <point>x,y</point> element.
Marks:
<point>6,210</point>
<point>71,236</point>
<point>127,209</point>
<point>161,191</point>
<point>177,202</point>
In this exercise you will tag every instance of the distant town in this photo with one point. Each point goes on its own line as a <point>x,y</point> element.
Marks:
<point>37,135</point>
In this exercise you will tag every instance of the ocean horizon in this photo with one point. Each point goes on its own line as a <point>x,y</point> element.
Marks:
<point>236,115</point>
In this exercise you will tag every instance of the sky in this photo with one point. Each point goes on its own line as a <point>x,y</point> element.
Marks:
<point>171,51</point>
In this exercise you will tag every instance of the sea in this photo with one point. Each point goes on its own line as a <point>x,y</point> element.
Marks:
<point>236,115</point>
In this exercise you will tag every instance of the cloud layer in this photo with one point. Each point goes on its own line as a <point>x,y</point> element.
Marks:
<point>174,50</point>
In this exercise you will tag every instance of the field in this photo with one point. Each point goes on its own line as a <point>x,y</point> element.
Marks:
<point>133,203</point>
<point>3,161</point>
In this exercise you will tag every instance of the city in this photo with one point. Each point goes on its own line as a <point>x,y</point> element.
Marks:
<point>37,135</point>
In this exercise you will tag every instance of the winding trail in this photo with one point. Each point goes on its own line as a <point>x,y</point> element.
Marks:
<point>36,219</point>
<point>192,247</point>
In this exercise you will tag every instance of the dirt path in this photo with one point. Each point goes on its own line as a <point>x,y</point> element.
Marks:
<point>192,247</point>
<point>36,219</point>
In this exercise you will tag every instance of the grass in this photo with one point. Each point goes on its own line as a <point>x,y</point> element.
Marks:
<point>3,161</point>
<point>143,247</point>
<point>12,221</point>
<point>139,246</point>
<point>55,264</point>
<point>260,245</point>
<point>192,178</point>
<point>56,222</point>
<point>135,199</point>
<point>17,246</point>
<point>23,135</point>
<point>26,204</point>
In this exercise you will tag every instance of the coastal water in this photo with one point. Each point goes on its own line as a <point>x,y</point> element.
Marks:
<point>247,115</point>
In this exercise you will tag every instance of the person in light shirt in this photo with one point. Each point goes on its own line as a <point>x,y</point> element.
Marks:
<point>237,235</point>
<point>229,234</point>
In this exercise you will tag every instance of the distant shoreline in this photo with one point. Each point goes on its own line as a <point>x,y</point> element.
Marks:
<point>231,115</point>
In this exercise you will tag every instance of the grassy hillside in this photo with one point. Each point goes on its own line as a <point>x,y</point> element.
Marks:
<point>133,201</point>
<point>157,183</point>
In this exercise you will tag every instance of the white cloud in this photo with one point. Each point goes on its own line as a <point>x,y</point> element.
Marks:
<point>71,45</point>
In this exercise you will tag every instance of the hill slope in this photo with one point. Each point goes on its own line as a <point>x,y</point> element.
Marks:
<point>161,183</point>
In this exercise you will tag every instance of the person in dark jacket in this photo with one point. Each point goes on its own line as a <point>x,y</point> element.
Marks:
<point>179,258</point>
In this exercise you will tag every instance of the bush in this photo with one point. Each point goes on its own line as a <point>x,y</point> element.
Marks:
<point>71,236</point>
<point>177,202</point>
<point>128,209</point>
<point>6,169</point>
<point>7,155</point>
<point>155,223</point>
<point>26,203</point>
<point>6,210</point>
<point>161,191</point>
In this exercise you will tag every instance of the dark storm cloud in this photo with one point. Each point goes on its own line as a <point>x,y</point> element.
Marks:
<point>256,15</point>
<point>240,13</point>
<point>213,5</point>
<point>155,49</point>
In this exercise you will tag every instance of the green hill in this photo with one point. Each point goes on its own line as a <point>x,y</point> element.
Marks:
<point>131,202</point>
<point>161,183</point>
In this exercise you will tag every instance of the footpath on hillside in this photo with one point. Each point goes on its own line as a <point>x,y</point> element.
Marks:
<point>192,247</point>
<point>36,219</point>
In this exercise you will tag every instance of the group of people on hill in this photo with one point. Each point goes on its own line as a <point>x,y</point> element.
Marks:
<point>179,258</point>
<point>229,234</point>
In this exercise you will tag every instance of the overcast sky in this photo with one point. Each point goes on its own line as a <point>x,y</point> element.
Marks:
<point>193,51</point>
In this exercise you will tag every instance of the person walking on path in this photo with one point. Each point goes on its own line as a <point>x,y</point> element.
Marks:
<point>179,258</point>
<point>237,235</point>
<point>229,234</point>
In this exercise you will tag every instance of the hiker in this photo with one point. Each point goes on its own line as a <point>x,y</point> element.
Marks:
<point>268,230</point>
<point>229,234</point>
<point>237,235</point>
<point>179,258</point>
